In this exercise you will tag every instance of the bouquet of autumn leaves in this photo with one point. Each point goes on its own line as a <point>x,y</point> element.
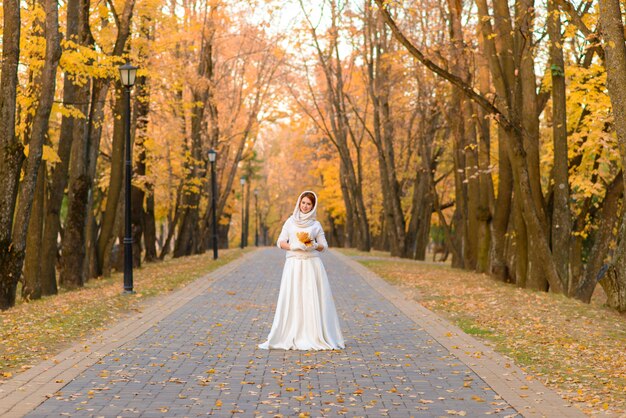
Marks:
<point>305,238</point>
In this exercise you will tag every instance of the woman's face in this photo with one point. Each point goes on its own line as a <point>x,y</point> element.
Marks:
<point>306,205</point>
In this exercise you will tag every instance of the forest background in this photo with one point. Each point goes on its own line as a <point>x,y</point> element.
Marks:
<point>496,129</point>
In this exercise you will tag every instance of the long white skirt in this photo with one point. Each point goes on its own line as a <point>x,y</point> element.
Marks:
<point>306,318</point>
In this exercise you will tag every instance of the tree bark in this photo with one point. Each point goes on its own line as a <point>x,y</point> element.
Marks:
<point>150,237</point>
<point>73,247</point>
<point>142,110</point>
<point>501,67</point>
<point>116,180</point>
<point>612,31</point>
<point>525,100</point>
<point>39,132</point>
<point>607,223</point>
<point>379,91</point>
<point>486,193</point>
<point>59,178</point>
<point>140,218</point>
<point>561,229</point>
<point>418,234</point>
<point>32,285</point>
<point>11,149</point>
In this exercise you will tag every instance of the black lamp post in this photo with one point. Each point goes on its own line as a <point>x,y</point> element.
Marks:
<point>212,158</point>
<point>242,180</point>
<point>256,217</point>
<point>127,76</point>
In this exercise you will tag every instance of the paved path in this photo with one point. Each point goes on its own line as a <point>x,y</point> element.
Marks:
<point>201,358</point>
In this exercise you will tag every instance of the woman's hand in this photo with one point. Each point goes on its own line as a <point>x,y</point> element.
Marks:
<point>297,246</point>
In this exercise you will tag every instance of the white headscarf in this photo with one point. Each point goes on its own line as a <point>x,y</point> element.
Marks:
<point>303,220</point>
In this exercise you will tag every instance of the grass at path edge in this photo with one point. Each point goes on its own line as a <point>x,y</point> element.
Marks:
<point>576,349</point>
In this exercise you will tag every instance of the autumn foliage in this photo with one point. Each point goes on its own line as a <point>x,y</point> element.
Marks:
<point>496,130</point>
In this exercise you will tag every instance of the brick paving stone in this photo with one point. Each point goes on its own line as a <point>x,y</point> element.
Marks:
<point>203,359</point>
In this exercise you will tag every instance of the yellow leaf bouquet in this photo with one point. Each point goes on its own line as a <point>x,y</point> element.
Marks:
<point>304,238</point>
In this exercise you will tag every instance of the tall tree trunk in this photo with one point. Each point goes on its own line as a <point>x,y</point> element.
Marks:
<point>138,213</point>
<point>141,113</point>
<point>80,196</point>
<point>525,101</point>
<point>172,222</point>
<point>561,217</point>
<point>486,193</point>
<point>350,226</point>
<point>149,235</point>
<point>466,176</point>
<point>612,29</point>
<point>222,232</point>
<point>91,246</point>
<point>38,134</point>
<point>418,234</point>
<point>107,233</point>
<point>71,273</point>
<point>246,230</point>
<point>31,288</point>
<point>497,44</point>
<point>607,223</point>
<point>382,136</point>
<point>187,240</point>
<point>52,222</point>
<point>11,149</point>
<point>458,239</point>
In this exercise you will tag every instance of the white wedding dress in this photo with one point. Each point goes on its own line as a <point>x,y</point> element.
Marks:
<point>305,318</point>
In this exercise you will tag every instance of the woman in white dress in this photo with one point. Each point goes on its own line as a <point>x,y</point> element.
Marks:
<point>306,318</point>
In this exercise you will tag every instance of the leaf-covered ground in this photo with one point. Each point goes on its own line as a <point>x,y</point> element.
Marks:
<point>31,332</point>
<point>577,349</point>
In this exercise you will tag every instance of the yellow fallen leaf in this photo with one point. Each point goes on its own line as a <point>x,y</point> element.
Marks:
<point>218,403</point>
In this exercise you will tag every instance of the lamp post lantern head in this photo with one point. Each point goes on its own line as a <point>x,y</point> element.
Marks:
<point>212,155</point>
<point>242,180</point>
<point>127,75</point>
